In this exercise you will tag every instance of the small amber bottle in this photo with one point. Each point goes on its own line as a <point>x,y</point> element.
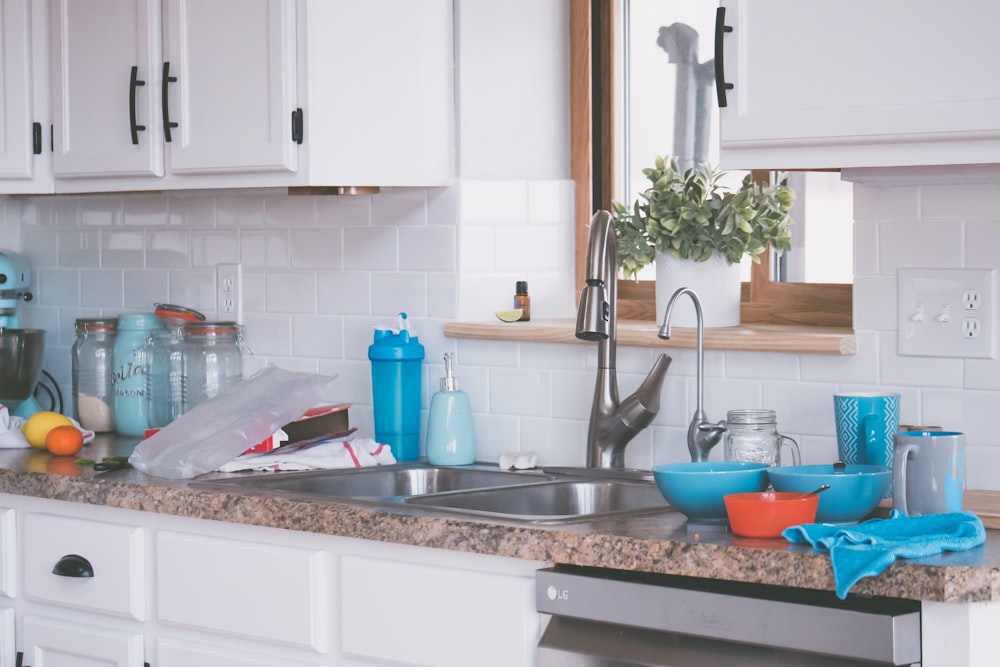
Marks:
<point>522,300</point>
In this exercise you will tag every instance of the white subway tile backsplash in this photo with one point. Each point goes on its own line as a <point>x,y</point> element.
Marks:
<point>915,371</point>
<point>145,288</point>
<point>97,289</point>
<point>343,211</point>
<point>168,249</point>
<point>290,292</point>
<point>191,210</point>
<point>400,208</point>
<point>723,395</point>
<point>268,335</point>
<point>550,202</point>
<point>801,407</point>
<point>196,289</point>
<point>320,337</point>
<point>477,249</point>
<point>762,365</point>
<point>879,204</point>
<point>282,211</point>
<point>144,211</point>
<point>426,248</point>
<point>317,248</point>
<point>875,302</point>
<point>210,247</point>
<point>493,202</point>
<point>859,368</point>
<point>670,446</point>
<point>865,250</point>
<point>254,291</point>
<point>442,296</point>
<point>241,211</point>
<point>343,292</point>
<point>496,434</point>
<point>572,394</point>
<point>100,211</point>
<point>265,249</point>
<point>534,248</point>
<point>399,293</point>
<point>982,244</point>
<point>924,245</point>
<point>488,353</point>
<point>558,442</point>
<point>965,202</point>
<point>371,249</point>
<point>523,392</point>
<point>982,374</point>
<point>121,249</point>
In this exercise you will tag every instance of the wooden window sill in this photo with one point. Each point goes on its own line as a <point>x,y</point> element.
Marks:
<point>748,337</point>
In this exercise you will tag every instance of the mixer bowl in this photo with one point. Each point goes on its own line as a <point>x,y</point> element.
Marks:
<point>21,353</point>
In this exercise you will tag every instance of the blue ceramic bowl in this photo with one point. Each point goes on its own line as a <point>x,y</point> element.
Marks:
<point>697,489</point>
<point>854,490</point>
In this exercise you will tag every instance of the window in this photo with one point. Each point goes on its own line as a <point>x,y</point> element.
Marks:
<point>593,157</point>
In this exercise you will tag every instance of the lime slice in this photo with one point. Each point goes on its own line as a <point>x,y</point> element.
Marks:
<point>512,315</point>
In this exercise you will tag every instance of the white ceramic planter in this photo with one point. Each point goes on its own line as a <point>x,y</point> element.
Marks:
<point>716,282</point>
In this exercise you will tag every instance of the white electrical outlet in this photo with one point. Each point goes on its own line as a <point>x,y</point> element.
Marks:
<point>947,313</point>
<point>229,292</point>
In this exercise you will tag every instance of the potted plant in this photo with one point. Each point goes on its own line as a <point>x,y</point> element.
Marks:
<point>690,224</point>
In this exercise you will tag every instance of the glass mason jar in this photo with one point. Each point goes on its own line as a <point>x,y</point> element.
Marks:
<point>91,360</point>
<point>752,435</point>
<point>164,391</point>
<point>131,414</point>
<point>212,360</point>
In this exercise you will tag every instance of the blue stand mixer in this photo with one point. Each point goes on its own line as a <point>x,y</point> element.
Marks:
<point>21,350</point>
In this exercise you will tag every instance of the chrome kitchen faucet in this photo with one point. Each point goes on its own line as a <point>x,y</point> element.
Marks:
<point>702,434</point>
<point>612,422</point>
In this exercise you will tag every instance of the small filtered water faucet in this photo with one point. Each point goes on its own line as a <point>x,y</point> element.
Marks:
<point>613,423</point>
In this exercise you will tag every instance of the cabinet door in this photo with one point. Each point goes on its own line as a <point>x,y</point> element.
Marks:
<point>8,654</point>
<point>106,75</point>
<point>58,643</point>
<point>234,93</point>
<point>436,615</point>
<point>16,103</point>
<point>858,83</point>
<point>185,653</point>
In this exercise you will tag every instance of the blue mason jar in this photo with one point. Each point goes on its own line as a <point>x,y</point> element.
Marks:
<point>130,364</point>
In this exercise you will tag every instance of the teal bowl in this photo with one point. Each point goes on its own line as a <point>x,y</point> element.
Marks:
<point>855,489</point>
<point>697,489</point>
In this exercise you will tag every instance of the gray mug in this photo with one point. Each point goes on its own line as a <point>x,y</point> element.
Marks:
<point>928,472</point>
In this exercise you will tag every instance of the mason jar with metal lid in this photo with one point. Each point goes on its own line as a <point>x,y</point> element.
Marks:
<point>213,360</point>
<point>752,435</point>
<point>92,357</point>
<point>164,390</point>
<point>131,415</point>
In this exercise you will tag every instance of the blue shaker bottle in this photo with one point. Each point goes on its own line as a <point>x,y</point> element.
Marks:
<point>397,359</point>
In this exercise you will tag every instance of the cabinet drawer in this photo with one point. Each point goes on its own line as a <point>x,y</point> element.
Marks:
<point>57,643</point>
<point>249,589</point>
<point>8,551</point>
<point>114,553</point>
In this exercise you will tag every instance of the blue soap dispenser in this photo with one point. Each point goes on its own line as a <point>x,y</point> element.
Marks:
<point>451,438</point>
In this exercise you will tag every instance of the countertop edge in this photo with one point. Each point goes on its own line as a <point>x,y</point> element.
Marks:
<point>662,547</point>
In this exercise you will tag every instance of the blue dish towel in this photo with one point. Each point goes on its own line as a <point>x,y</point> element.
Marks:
<point>865,549</point>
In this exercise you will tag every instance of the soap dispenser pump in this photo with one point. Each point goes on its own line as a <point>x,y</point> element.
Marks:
<point>451,438</point>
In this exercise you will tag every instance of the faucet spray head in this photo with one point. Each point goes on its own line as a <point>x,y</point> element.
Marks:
<point>594,315</point>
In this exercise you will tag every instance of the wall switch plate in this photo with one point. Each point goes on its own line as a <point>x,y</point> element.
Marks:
<point>229,292</point>
<point>947,313</point>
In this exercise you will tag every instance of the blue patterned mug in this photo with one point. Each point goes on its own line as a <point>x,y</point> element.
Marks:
<point>866,423</point>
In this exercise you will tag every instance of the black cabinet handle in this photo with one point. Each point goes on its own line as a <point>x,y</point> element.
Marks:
<point>133,83</point>
<point>720,69</point>
<point>72,565</point>
<point>19,660</point>
<point>297,126</point>
<point>164,96</point>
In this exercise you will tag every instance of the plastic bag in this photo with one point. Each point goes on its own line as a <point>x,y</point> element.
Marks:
<point>220,429</point>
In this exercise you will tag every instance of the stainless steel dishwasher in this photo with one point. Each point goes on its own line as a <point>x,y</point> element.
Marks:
<point>610,618</point>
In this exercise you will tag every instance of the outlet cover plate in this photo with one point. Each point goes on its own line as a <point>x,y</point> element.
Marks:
<point>934,314</point>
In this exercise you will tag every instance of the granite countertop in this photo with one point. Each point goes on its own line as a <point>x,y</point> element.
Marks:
<point>661,542</point>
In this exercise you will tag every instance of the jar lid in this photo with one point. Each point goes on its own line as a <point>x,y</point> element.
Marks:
<point>139,321</point>
<point>210,328</point>
<point>170,311</point>
<point>96,323</point>
<point>751,416</point>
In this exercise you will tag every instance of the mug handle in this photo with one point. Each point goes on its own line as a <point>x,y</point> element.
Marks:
<point>794,447</point>
<point>899,458</point>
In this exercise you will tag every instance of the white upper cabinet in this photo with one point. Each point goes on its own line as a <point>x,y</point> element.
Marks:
<point>25,158</point>
<point>251,93</point>
<point>856,83</point>
<point>105,64</point>
<point>229,74</point>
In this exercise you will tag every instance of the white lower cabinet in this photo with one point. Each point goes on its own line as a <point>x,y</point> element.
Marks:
<point>52,642</point>
<point>436,615</point>
<point>169,591</point>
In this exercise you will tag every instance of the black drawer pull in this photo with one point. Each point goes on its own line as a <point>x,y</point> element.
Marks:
<point>720,69</point>
<point>72,565</point>
<point>133,83</point>
<point>164,95</point>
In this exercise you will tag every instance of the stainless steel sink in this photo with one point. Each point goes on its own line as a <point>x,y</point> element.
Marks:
<point>560,500</point>
<point>531,496</point>
<point>376,483</point>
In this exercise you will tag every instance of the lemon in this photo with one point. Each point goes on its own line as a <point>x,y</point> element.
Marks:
<point>38,425</point>
<point>512,315</point>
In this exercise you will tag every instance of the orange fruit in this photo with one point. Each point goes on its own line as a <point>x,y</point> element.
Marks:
<point>64,440</point>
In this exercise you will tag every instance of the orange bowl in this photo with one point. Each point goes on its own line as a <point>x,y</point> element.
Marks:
<point>767,513</point>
